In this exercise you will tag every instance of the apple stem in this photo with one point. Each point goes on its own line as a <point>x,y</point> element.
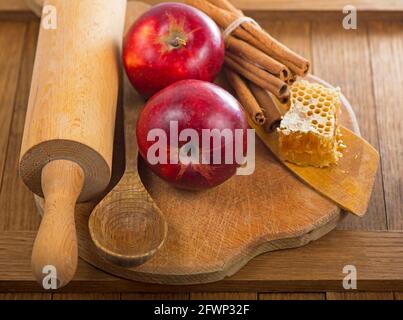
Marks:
<point>178,42</point>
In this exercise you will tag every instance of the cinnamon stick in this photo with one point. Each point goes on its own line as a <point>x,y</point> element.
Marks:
<point>223,18</point>
<point>254,55</point>
<point>255,36</point>
<point>291,79</point>
<point>271,112</point>
<point>285,100</point>
<point>277,50</point>
<point>258,76</point>
<point>299,63</point>
<point>245,97</point>
<point>227,5</point>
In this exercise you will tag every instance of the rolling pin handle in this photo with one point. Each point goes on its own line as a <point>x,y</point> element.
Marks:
<point>54,255</point>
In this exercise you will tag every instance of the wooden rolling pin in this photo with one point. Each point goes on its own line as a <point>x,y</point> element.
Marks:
<point>66,153</point>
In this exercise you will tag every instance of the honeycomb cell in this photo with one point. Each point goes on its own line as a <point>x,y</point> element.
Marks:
<point>308,133</point>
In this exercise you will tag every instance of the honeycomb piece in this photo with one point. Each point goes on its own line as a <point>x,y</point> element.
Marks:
<point>309,133</point>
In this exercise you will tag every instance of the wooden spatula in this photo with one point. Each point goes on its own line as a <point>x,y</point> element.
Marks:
<point>349,184</point>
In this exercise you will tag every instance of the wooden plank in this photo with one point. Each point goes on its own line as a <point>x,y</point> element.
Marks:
<point>386,45</point>
<point>322,16</point>
<point>319,5</point>
<point>314,268</point>
<point>398,295</point>
<point>18,208</point>
<point>292,296</point>
<point>25,296</point>
<point>12,36</point>
<point>342,58</point>
<point>86,296</point>
<point>359,296</point>
<point>223,296</point>
<point>294,34</point>
<point>155,296</point>
<point>284,5</point>
<point>13,5</point>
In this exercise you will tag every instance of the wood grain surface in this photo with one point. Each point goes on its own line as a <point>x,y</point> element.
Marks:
<point>387,66</point>
<point>155,296</point>
<point>399,295</point>
<point>14,196</point>
<point>25,296</point>
<point>316,267</point>
<point>372,54</point>
<point>359,296</point>
<point>12,36</point>
<point>292,296</point>
<point>86,296</point>
<point>223,296</point>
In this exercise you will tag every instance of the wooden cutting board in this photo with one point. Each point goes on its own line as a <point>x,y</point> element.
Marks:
<point>213,233</point>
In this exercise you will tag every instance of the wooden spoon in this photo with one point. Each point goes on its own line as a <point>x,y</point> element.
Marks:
<point>127,227</point>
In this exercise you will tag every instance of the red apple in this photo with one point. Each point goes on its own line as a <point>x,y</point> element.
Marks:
<point>201,107</point>
<point>172,42</point>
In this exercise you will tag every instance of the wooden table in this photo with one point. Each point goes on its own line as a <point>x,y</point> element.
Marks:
<point>366,63</point>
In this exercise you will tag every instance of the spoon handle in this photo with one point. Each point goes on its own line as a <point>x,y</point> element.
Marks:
<point>54,256</point>
<point>132,106</point>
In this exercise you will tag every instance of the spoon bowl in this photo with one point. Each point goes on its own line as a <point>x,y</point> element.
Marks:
<point>126,227</point>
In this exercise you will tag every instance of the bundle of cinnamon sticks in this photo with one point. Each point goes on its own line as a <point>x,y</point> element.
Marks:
<point>255,61</point>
